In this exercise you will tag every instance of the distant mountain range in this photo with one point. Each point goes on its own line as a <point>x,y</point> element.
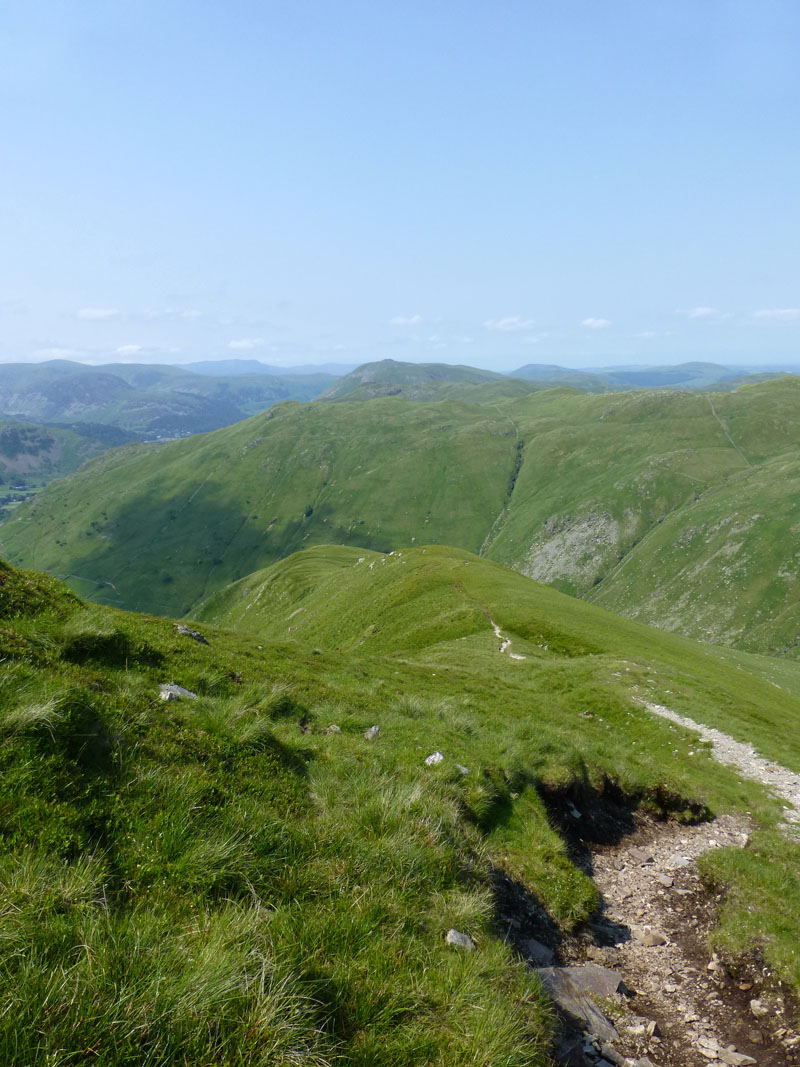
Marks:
<point>679,376</point>
<point>225,367</point>
<point>151,401</point>
<point>158,401</point>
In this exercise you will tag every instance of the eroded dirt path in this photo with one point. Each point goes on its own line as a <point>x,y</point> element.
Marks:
<point>639,987</point>
<point>683,1009</point>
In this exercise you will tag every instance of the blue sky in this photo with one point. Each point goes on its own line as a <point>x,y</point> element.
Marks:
<point>586,183</point>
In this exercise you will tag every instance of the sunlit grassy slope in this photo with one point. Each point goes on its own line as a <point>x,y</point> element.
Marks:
<point>228,880</point>
<point>675,507</point>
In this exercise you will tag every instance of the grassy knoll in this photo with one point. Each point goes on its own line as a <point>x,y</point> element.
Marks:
<point>669,506</point>
<point>228,880</point>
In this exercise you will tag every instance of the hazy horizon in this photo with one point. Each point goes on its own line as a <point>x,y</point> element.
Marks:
<point>341,367</point>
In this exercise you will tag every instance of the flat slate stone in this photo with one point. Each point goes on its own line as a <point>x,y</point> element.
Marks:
<point>575,1004</point>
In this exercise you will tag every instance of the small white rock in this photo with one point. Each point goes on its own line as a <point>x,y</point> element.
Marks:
<point>435,757</point>
<point>455,937</point>
<point>175,692</point>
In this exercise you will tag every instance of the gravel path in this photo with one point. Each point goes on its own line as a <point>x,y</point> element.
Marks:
<point>685,1010</point>
<point>505,642</point>
<point>781,782</point>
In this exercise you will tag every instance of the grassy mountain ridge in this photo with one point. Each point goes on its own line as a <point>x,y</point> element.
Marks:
<point>569,488</point>
<point>415,381</point>
<point>229,880</point>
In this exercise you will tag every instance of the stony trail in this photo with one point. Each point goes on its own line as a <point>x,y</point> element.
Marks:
<point>742,755</point>
<point>644,961</point>
<point>684,1009</point>
<point>639,987</point>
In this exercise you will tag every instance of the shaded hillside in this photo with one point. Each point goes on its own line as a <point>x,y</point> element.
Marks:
<point>149,400</point>
<point>560,485</point>
<point>36,455</point>
<point>161,526</point>
<point>243,876</point>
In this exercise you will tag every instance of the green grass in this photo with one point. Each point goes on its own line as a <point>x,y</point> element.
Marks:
<point>675,508</point>
<point>226,880</point>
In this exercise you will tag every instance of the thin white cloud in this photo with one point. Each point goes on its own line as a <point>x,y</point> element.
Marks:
<point>510,324</point>
<point>405,320</point>
<point>702,312</point>
<point>97,314</point>
<point>128,350</point>
<point>596,324</point>
<point>778,314</point>
<point>646,335</point>
<point>244,344</point>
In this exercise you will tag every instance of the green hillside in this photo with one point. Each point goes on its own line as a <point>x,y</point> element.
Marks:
<point>161,526</point>
<point>648,501</point>
<point>228,879</point>
<point>36,455</point>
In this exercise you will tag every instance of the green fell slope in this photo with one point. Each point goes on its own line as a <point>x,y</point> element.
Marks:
<point>579,491</point>
<point>229,879</point>
<point>161,526</point>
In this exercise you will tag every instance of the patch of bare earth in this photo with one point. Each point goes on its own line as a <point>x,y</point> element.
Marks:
<point>654,929</point>
<point>639,986</point>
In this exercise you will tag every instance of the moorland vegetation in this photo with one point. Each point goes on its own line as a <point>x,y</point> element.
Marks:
<point>253,876</point>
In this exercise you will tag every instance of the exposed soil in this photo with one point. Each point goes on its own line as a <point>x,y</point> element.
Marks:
<point>650,886</point>
<point>679,1006</point>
